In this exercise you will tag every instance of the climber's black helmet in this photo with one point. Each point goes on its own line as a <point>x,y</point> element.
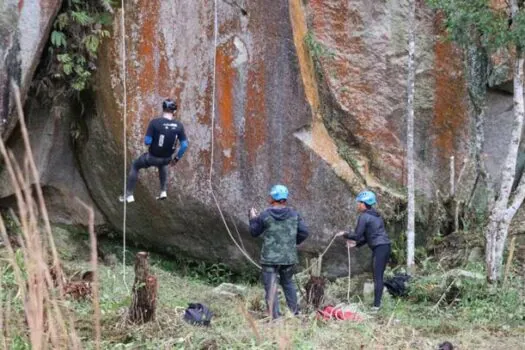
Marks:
<point>169,106</point>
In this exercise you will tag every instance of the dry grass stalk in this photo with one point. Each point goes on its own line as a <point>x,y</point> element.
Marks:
<point>3,320</point>
<point>43,315</point>
<point>284,342</point>
<point>251,323</point>
<point>48,324</point>
<point>94,276</point>
<point>34,172</point>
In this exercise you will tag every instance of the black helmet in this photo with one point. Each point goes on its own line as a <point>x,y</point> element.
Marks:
<point>169,105</point>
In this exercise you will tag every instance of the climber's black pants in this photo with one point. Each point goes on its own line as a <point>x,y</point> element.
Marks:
<point>145,161</point>
<point>380,256</point>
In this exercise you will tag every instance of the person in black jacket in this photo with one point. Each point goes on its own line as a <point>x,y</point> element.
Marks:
<point>370,229</point>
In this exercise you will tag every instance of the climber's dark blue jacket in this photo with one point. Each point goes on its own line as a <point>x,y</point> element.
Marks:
<point>370,229</point>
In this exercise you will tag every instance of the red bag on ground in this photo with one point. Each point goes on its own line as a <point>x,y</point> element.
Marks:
<point>330,312</point>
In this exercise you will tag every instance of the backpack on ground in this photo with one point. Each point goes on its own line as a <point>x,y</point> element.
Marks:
<point>398,285</point>
<point>198,314</point>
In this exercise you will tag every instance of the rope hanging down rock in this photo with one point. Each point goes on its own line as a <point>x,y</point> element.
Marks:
<point>125,135</point>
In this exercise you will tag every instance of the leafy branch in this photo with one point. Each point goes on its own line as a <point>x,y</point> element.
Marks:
<point>481,22</point>
<point>77,33</point>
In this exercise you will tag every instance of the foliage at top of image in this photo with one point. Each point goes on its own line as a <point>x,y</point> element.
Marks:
<point>77,33</point>
<point>490,27</point>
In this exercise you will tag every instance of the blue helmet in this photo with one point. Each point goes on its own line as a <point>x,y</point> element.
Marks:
<point>279,192</point>
<point>366,197</point>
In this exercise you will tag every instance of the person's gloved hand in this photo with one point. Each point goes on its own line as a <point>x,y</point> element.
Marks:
<point>350,243</point>
<point>253,213</point>
<point>174,161</point>
<point>340,233</point>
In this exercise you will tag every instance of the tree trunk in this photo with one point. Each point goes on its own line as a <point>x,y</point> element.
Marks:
<point>144,300</point>
<point>410,136</point>
<point>497,229</point>
<point>495,234</point>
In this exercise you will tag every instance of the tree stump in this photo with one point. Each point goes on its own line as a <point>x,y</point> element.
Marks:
<point>144,291</point>
<point>315,291</point>
<point>315,285</point>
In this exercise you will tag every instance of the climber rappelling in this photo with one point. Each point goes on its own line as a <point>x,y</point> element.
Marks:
<point>162,136</point>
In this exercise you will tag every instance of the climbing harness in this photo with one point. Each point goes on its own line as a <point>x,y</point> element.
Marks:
<point>125,134</point>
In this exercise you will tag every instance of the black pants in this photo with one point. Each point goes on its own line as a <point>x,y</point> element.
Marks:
<point>145,161</point>
<point>380,256</point>
<point>270,274</point>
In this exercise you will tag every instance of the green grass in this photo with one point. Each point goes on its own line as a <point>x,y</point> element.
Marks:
<point>482,318</point>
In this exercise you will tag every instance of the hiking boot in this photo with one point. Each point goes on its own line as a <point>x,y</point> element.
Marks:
<point>129,199</point>
<point>163,195</point>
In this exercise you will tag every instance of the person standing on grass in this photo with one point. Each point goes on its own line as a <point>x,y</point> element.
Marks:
<point>282,230</point>
<point>370,229</point>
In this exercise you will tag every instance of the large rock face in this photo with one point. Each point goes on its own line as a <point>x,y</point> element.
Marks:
<point>50,131</point>
<point>365,78</point>
<point>24,30</point>
<point>276,118</point>
<point>260,104</point>
<point>311,94</point>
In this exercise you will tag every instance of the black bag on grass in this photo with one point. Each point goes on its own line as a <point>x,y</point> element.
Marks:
<point>398,285</point>
<point>198,315</point>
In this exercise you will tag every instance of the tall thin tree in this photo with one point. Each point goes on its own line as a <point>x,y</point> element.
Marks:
<point>410,135</point>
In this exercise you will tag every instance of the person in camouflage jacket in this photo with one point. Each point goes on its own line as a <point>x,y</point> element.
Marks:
<point>281,229</point>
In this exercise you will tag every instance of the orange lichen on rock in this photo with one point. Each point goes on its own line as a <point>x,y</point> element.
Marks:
<point>227,135</point>
<point>147,44</point>
<point>255,120</point>
<point>450,117</point>
<point>164,83</point>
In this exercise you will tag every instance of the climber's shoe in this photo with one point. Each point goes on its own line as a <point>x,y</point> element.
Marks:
<point>129,198</point>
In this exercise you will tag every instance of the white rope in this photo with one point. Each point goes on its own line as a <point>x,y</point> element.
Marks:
<point>124,140</point>
<point>212,152</point>
<point>213,90</point>
<point>349,275</point>
<point>321,255</point>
